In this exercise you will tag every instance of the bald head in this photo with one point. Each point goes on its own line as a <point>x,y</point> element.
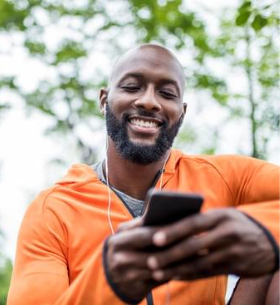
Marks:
<point>144,103</point>
<point>157,56</point>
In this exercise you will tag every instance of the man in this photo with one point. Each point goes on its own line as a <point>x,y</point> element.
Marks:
<point>67,252</point>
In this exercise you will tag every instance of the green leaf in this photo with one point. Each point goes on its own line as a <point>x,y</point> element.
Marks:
<point>11,17</point>
<point>246,6</point>
<point>35,47</point>
<point>242,18</point>
<point>8,82</point>
<point>259,22</point>
<point>70,51</point>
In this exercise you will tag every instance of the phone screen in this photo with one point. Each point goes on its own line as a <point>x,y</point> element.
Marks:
<point>165,207</point>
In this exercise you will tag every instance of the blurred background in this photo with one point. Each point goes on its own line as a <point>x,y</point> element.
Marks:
<point>55,55</point>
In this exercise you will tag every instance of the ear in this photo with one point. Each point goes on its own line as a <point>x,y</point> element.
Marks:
<point>103,95</point>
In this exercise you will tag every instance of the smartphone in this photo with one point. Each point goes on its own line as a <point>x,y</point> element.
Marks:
<point>165,207</point>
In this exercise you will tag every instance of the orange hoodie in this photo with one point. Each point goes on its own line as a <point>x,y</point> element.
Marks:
<point>59,251</point>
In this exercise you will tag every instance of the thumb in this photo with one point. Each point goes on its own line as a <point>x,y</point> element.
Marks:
<point>134,223</point>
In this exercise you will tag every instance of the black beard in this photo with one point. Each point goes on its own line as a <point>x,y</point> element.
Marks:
<point>138,153</point>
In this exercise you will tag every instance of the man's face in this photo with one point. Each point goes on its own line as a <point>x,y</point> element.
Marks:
<point>144,104</point>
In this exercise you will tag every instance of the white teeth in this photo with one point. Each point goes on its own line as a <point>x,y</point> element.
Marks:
<point>143,123</point>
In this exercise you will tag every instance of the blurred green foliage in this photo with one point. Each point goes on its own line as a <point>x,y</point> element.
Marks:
<point>5,275</point>
<point>254,29</point>
<point>92,23</point>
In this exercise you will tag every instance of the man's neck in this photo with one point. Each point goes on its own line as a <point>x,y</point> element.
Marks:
<point>131,178</point>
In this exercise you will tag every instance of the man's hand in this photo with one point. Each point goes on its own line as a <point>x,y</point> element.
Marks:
<point>222,241</point>
<point>127,259</point>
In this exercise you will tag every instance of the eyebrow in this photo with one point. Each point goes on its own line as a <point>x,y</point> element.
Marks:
<point>162,81</point>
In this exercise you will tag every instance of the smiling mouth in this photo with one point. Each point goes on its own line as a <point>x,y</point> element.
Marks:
<point>144,123</point>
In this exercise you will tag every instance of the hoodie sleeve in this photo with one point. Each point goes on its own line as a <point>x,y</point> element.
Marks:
<point>41,273</point>
<point>254,188</point>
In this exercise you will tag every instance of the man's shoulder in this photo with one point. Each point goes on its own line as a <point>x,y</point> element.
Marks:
<point>226,164</point>
<point>79,181</point>
<point>217,160</point>
<point>78,174</point>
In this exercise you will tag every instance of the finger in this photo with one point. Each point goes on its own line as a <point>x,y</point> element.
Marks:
<point>127,265</point>
<point>129,275</point>
<point>189,226</point>
<point>181,251</point>
<point>136,274</point>
<point>229,260</point>
<point>190,247</point>
<point>202,267</point>
<point>127,259</point>
<point>182,275</point>
<point>128,225</point>
<point>137,238</point>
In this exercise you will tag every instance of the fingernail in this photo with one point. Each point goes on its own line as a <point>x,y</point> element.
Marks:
<point>158,275</point>
<point>159,238</point>
<point>152,262</point>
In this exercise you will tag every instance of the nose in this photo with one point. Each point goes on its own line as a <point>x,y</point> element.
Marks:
<point>148,100</point>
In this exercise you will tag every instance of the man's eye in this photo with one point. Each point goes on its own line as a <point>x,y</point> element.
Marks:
<point>131,88</point>
<point>167,94</point>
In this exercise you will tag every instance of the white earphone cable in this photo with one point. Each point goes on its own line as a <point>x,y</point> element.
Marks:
<point>163,169</point>
<point>108,189</point>
<point>168,294</point>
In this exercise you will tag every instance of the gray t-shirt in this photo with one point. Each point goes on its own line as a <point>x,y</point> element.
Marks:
<point>133,204</point>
